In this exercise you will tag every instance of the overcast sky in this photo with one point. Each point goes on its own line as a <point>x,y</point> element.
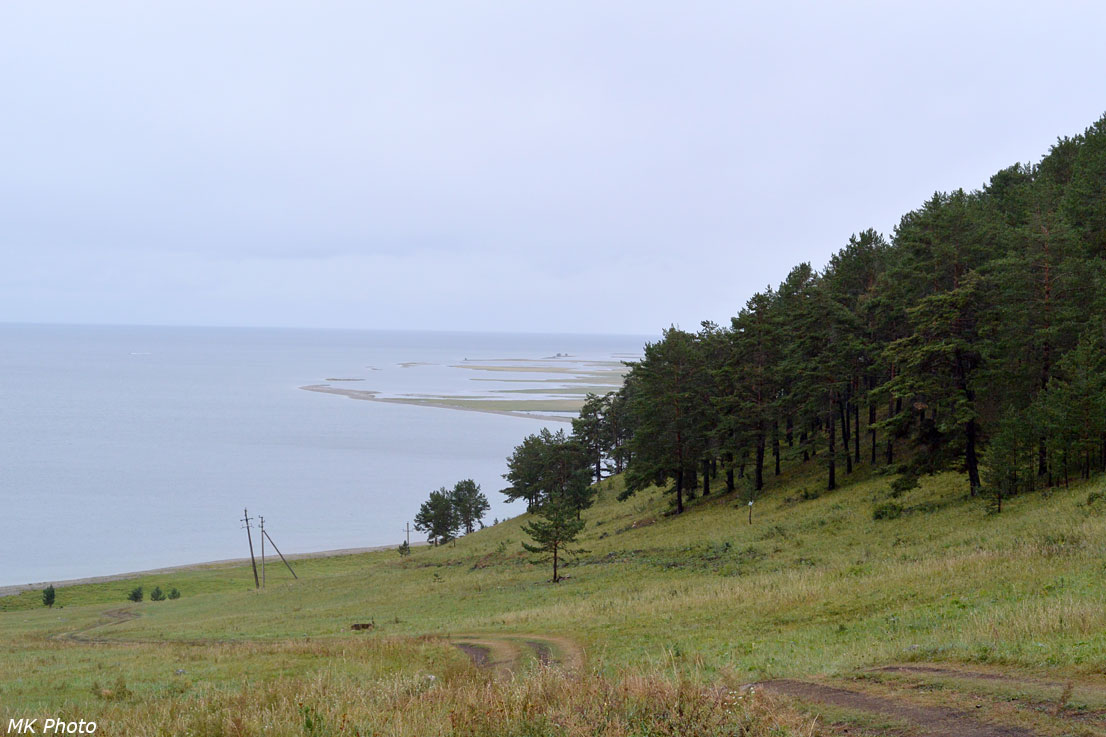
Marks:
<point>508,166</point>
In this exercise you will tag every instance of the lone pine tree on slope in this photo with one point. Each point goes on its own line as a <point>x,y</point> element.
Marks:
<point>553,534</point>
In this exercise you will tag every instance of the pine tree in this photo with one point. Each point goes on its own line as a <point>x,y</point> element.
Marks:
<point>1084,203</point>
<point>544,467</point>
<point>589,431</point>
<point>48,596</point>
<point>438,517</point>
<point>469,504</point>
<point>1072,409</point>
<point>667,409</point>
<point>554,532</point>
<point>939,364</point>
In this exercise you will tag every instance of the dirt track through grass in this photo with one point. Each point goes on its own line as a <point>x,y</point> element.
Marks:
<point>114,616</point>
<point>924,720</point>
<point>510,653</point>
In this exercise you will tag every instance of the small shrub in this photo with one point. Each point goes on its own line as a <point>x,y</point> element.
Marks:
<point>903,484</point>
<point>48,596</point>
<point>887,510</point>
<point>136,594</point>
<point>404,549</point>
<point>174,593</point>
<point>157,594</point>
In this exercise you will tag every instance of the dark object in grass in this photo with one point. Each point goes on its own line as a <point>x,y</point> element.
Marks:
<point>363,625</point>
<point>887,510</point>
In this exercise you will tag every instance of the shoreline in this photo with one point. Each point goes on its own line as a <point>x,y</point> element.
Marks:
<point>368,395</point>
<point>16,589</point>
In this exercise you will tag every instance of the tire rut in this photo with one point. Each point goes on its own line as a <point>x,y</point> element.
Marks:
<point>928,720</point>
<point>509,653</point>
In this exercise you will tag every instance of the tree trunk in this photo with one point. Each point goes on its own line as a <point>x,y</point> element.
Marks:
<point>843,407</point>
<point>856,431</point>
<point>555,578</point>
<point>729,473</point>
<point>832,458</point>
<point>680,491</point>
<point>790,433</point>
<point>759,470</point>
<point>706,476</point>
<point>970,456</point>
<point>872,430</point>
<point>776,444</point>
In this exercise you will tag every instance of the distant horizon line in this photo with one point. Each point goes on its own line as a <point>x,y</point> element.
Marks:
<point>187,326</point>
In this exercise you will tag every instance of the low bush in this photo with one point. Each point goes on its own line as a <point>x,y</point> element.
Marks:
<point>887,510</point>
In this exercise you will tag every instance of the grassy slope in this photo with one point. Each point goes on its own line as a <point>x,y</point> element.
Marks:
<point>811,587</point>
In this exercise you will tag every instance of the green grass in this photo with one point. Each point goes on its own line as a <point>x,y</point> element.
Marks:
<point>815,586</point>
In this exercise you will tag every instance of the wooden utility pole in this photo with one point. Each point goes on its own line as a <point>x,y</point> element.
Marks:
<point>262,519</point>
<point>407,529</point>
<point>246,518</point>
<point>266,534</point>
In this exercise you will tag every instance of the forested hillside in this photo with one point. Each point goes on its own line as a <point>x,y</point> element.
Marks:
<point>974,338</point>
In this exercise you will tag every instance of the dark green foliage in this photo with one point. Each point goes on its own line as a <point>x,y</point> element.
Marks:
<point>590,432</point>
<point>469,503</point>
<point>1084,202</point>
<point>974,341</point>
<point>550,467</point>
<point>904,483</point>
<point>438,517</point>
<point>174,593</point>
<point>48,596</point>
<point>404,549</point>
<point>157,594</point>
<point>1071,412</point>
<point>887,510</point>
<point>135,594</point>
<point>671,408</point>
<point>553,532</point>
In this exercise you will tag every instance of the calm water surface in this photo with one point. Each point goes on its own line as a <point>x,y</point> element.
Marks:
<point>125,448</point>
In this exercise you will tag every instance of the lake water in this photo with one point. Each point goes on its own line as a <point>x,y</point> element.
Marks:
<point>127,448</point>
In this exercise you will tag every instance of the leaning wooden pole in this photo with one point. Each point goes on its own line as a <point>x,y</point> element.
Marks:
<point>253,561</point>
<point>281,555</point>
<point>262,521</point>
